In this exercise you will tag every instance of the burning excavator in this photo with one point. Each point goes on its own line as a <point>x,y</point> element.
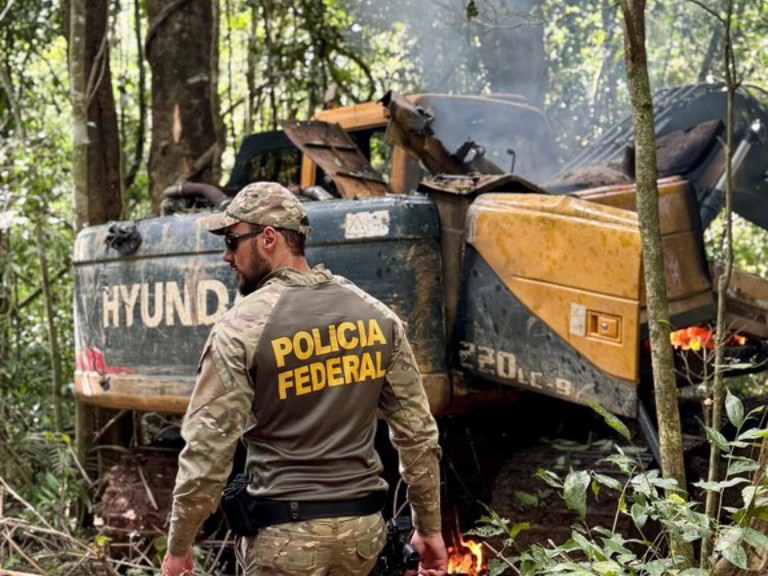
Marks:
<point>513,276</point>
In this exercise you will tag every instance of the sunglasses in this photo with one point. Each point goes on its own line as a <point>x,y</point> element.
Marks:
<point>232,240</point>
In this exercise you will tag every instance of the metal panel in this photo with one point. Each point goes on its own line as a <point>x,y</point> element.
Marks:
<point>141,320</point>
<point>502,341</point>
<point>334,151</point>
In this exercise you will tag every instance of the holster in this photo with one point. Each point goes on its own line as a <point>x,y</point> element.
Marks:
<point>235,504</point>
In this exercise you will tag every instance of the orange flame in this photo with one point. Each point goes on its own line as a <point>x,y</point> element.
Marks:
<point>693,338</point>
<point>739,339</point>
<point>466,558</point>
<point>698,337</point>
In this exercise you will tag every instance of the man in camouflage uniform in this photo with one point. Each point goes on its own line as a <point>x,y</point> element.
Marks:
<point>299,368</point>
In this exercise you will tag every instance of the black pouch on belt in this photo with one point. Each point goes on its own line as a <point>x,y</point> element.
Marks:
<point>239,507</point>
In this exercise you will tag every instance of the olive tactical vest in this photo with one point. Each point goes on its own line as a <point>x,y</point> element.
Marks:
<point>319,370</point>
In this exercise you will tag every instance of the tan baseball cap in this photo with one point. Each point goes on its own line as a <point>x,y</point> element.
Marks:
<point>265,204</point>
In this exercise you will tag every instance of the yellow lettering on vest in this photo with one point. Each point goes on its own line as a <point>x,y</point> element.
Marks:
<point>284,381</point>
<point>281,347</point>
<point>301,374</point>
<point>363,335</point>
<point>302,339</point>
<point>366,367</point>
<point>351,366</point>
<point>375,335</point>
<point>347,343</point>
<point>334,341</point>
<point>320,348</point>
<point>380,372</point>
<point>333,366</point>
<point>317,371</point>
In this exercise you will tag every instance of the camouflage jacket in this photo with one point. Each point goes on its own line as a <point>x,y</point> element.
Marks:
<point>299,369</point>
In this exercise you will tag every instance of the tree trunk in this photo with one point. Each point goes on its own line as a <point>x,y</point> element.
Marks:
<point>95,144</point>
<point>187,131</point>
<point>713,501</point>
<point>96,141</point>
<point>141,89</point>
<point>78,87</point>
<point>57,379</point>
<point>667,410</point>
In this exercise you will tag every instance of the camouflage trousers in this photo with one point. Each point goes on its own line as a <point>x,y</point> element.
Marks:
<point>326,546</point>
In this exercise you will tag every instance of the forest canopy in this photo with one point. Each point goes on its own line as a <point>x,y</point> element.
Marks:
<point>263,61</point>
<point>286,60</point>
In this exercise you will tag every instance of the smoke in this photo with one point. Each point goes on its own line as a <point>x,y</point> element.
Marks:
<point>482,47</point>
<point>467,47</point>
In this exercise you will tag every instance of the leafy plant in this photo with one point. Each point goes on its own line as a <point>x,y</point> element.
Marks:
<point>657,514</point>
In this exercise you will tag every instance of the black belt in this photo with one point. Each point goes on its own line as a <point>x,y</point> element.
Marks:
<point>267,512</point>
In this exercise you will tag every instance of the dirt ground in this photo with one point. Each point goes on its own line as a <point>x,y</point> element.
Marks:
<point>136,501</point>
<point>489,458</point>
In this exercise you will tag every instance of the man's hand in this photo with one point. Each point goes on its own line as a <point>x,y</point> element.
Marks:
<point>431,549</point>
<point>178,565</point>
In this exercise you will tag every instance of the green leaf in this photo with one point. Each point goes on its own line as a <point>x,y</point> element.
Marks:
<point>677,499</point>
<point>517,528</point>
<point>550,478</point>
<point>639,515</point>
<point>575,492</point>
<point>615,545</point>
<point>496,567</point>
<point>611,420</point>
<point>756,411</point>
<point>742,465</point>
<point>161,544</point>
<point>735,409</point>
<point>642,483</point>
<point>756,539</point>
<point>608,567</point>
<point>665,483</point>
<point>753,434</point>
<point>717,439</point>
<point>526,499</point>
<point>748,495</point>
<point>720,486</point>
<point>729,538</point>
<point>622,462</point>
<point>611,483</point>
<point>101,540</point>
<point>658,567</point>
<point>694,572</point>
<point>590,550</point>
<point>736,555</point>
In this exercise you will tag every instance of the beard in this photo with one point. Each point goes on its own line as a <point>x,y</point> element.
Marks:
<point>250,277</point>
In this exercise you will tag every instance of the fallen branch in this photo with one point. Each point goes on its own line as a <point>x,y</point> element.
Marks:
<point>501,557</point>
<point>147,489</point>
<point>20,552</point>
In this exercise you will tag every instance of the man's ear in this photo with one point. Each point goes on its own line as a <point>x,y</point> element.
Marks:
<point>269,236</point>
